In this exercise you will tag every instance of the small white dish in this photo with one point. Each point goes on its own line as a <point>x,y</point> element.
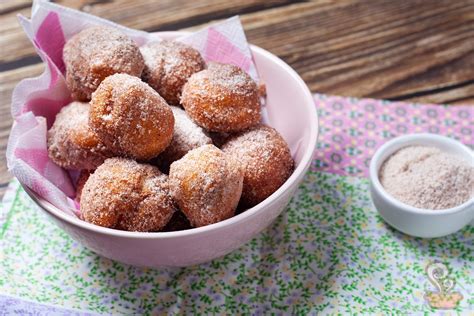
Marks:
<point>412,220</point>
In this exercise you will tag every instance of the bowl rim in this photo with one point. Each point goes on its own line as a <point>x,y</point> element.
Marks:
<point>400,142</point>
<point>295,176</point>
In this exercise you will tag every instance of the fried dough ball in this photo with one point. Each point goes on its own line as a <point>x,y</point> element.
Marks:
<point>96,53</point>
<point>266,160</point>
<point>168,65</point>
<point>127,195</point>
<point>186,136</point>
<point>130,117</point>
<point>72,144</point>
<point>206,184</point>
<point>222,98</point>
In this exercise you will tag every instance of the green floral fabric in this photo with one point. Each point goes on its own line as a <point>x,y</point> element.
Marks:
<point>328,253</point>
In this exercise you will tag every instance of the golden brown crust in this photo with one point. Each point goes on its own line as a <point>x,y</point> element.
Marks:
<point>131,118</point>
<point>186,136</point>
<point>168,65</point>
<point>126,195</point>
<point>96,53</point>
<point>266,160</point>
<point>206,184</point>
<point>222,98</point>
<point>72,144</point>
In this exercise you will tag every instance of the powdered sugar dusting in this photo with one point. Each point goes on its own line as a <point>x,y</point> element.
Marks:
<point>71,142</point>
<point>187,135</point>
<point>266,160</point>
<point>222,98</point>
<point>206,184</point>
<point>131,118</point>
<point>229,78</point>
<point>95,53</point>
<point>427,178</point>
<point>126,195</point>
<point>168,65</point>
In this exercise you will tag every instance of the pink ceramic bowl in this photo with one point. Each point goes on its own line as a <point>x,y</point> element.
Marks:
<point>290,109</point>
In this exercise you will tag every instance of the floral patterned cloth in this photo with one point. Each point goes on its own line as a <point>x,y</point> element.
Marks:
<point>352,129</point>
<point>329,252</point>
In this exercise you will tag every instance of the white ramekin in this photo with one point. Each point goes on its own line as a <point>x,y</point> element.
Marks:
<point>412,220</point>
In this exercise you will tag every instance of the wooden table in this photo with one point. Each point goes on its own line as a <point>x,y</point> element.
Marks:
<point>420,51</point>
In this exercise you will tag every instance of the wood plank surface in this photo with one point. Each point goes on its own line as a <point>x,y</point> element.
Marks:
<point>418,50</point>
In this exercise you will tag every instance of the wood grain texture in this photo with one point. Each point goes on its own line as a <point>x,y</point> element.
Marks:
<point>388,49</point>
<point>12,6</point>
<point>149,15</point>
<point>418,50</point>
<point>8,80</point>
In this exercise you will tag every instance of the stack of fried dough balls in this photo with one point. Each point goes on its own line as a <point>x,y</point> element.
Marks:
<point>140,131</point>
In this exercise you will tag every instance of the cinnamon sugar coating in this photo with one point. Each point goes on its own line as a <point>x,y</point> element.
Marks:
<point>72,144</point>
<point>168,65</point>
<point>206,184</point>
<point>222,98</point>
<point>96,53</point>
<point>131,118</point>
<point>266,160</point>
<point>186,136</point>
<point>126,195</point>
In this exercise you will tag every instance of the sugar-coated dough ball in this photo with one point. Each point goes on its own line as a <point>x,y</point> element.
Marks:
<point>127,195</point>
<point>168,65</point>
<point>96,53</point>
<point>131,118</point>
<point>72,144</point>
<point>206,184</point>
<point>187,135</point>
<point>266,160</point>
<point>222,98</point>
